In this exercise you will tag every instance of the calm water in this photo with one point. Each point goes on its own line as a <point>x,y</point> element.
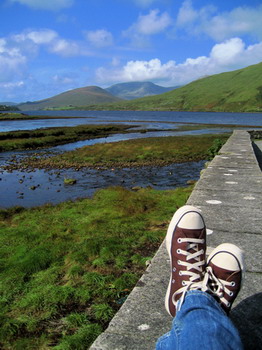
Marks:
<point>39,187</point>
<point>160,120</point>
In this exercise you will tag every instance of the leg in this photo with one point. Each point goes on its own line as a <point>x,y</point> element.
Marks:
<point>201,323</point>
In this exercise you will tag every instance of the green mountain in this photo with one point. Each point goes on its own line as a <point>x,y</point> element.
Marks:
<point>236,91</point>
<point>92,95</point>
<point>130,91</point>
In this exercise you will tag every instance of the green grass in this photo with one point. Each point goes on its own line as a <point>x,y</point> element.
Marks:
<point>14,116</point>
<point>23,116</point>
<point>39,138</point>
<point>65,270</point>
<point>139,152</point>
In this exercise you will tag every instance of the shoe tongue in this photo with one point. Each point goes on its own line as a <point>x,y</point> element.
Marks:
<point>190,233</point>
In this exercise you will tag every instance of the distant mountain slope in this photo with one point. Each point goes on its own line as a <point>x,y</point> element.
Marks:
<point>130,91</point>
<point>236,91</point>
<point>73,98</point>
<point>8,103</point>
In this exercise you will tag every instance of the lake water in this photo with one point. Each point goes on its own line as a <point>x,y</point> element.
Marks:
<point>39,187</point>
<point>160,120</point>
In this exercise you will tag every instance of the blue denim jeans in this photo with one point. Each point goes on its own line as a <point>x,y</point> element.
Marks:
<point>200,323</point>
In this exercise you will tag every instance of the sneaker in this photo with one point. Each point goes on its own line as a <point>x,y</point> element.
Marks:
<point>224,274</point>
<point>186,246</point>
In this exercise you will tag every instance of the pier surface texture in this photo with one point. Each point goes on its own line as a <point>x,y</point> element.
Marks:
<point>229,193</point>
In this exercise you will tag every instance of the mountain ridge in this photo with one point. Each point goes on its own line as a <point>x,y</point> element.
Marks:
<point>132,90</point>
<point>95,95</point>
<point>72,98</point>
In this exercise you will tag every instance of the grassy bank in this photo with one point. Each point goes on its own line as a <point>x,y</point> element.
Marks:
<point>39,138</point>
<point>66,269</point>
<point>23,116</point>
<point>149,151</point>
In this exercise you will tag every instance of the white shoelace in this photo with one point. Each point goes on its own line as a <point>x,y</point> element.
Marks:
<point>216,286</point>
<point>197,265</point>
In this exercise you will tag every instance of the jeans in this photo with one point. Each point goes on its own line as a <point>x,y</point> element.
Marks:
<point>200,323</point>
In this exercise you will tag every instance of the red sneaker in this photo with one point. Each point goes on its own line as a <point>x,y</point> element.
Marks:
<point>186,246</point>
<point>224,274</point>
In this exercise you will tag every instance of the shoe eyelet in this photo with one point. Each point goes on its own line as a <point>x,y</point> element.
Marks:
<point>231,294</point>
<point>228,304</point>
<point>180,273</point>
<point>183,283</point>
<point>233,284</point>
<point>174,269</point>
<point>178,262</point>
<point>178,251</point>
<point>179,240</point>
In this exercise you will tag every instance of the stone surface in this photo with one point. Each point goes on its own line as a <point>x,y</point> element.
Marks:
<point>231,205</point>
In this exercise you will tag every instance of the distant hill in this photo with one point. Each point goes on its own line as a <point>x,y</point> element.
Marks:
<point>90,95</point>
<point>130,91</point>
<point>8,103</point>
<point>236,91</point>
<point>4,106</point>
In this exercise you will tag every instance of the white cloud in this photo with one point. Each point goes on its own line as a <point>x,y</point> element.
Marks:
<point>16,84</point>
<point>186,14</point>
<point>44,36</point>
<point>147,25</point>
<point>150,24</point>
<point>18,50</point>
<point>99,38</point>
<point>240,21</point>
<point>65,47</point>
<point>220,26</point>
<point>12,61</point>
<point>153,23</point>
<point>29,41</point>
<point>53,5</point>
<point>229,55</point>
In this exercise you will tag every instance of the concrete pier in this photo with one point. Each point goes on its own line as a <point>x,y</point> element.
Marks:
<point>229,193</point>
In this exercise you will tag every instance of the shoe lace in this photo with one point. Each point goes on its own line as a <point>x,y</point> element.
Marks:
<point>217,286</point>
<point>192,252</point>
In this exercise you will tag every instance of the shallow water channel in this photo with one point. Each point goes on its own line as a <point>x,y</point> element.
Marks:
<point>37,187</point>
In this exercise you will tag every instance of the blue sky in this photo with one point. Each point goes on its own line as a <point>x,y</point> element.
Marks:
<point>50,46</point>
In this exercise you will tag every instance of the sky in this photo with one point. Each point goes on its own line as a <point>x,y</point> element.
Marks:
<point>51,46</point>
